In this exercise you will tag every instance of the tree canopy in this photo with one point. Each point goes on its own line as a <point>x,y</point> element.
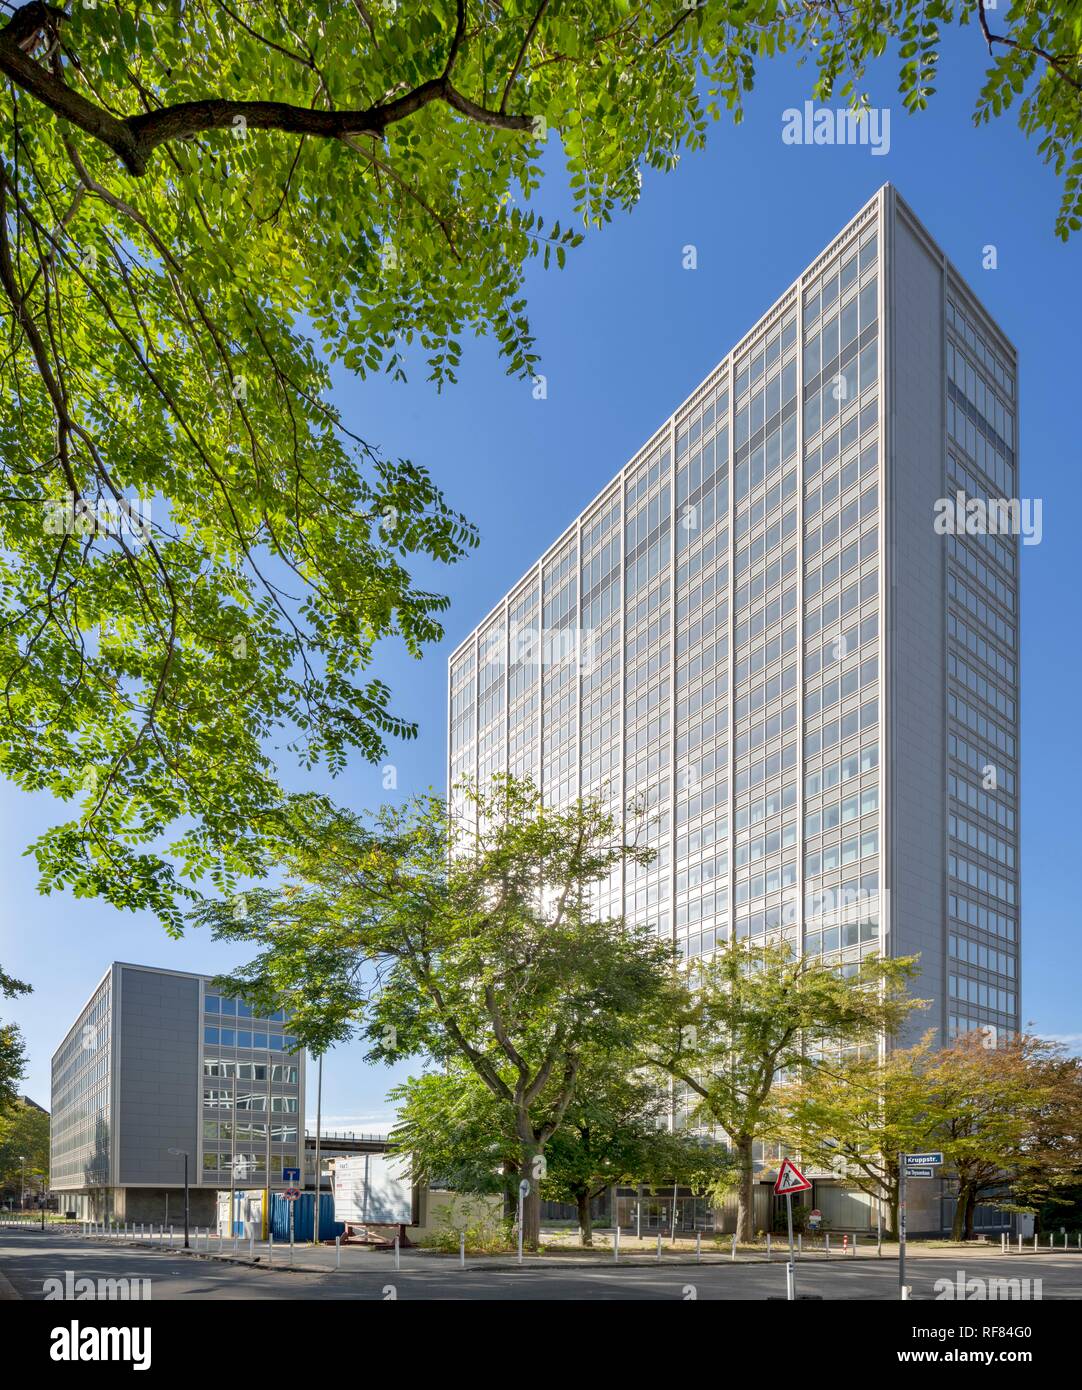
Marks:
<point>24,1148</point>
<point>754,1015</point>
<point>471,938</point>
<point>205,207</point>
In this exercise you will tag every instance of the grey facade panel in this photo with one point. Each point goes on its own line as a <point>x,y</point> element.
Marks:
<point>916,873</point>
<point>159,1075</point>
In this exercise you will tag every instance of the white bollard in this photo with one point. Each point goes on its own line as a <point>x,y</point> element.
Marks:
<point>251,1242</point>
<point>338,1252</point>
<point>1002,1244</point>
<point>734,1245</point>
<point>397,1255</point>
<point>270,1247</point>
<point>768,1251</point>
<point>826,1243</point>
<point>616,1244</point>
<point>1035,1242</point>
<point>659,1245</point>
<point>799,1244</point>
<point>1019,1242</point>
<point>698,1247</point>
<point>462,1249</point>
<point>854,1242</point>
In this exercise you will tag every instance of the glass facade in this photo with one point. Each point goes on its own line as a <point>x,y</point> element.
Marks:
<point>81,1113</point>
<point>251,1122</point>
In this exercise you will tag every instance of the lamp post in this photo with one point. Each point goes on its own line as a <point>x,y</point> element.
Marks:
<point>183,1153</point>
<point>22,1182</point>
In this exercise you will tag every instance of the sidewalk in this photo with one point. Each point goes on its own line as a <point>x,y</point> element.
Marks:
<point>325,1259</point>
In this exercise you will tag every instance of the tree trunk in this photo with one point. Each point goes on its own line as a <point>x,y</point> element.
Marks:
<point>958,1224</point>
<point>962,1225</point>
<point>583,1203</point>
<point>971,1211</point>
<point>745,1202</point>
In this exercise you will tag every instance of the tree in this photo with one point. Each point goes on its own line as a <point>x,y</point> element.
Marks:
<point>1006,1118</point>
<point>463,937</point>
<point>854,1116</point>
<point>754,1014</point>
<point>449,1123</point>
<point>12,1065</point>
<point>203,207</point>
<point>614,1133</point>
<point>12,1051</point>
<point>1007,1114</point>
<point>24,1147</point>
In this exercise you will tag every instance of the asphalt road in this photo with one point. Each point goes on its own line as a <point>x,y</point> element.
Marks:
<point>28,1258</point>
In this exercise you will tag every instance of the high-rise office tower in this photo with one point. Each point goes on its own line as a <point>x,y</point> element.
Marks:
<point>778,626</point>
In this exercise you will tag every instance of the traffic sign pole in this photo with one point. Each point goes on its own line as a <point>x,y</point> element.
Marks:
<point>790,1179</point>
<point>901,1226</point>
<point>910,1166</point>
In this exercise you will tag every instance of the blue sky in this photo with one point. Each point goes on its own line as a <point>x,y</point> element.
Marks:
<point>625,333</point>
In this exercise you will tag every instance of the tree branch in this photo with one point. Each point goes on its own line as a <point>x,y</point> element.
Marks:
<point>133,139</point>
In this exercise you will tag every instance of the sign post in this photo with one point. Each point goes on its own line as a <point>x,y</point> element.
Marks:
<point>523,1193</point>
<point>910,1166</point>
<point>790,1180</point>
<point>291,1177</point>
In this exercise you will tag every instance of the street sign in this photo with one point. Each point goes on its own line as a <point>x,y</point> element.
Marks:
<point>790,1180</point>
<point>815,1220</point>
<point>910,1166</point>
<point>291,1194</point>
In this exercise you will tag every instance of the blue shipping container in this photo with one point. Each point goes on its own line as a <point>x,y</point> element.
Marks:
<point>302,1217</point>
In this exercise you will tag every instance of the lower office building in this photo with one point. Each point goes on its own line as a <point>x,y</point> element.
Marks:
<point>161,1060</point>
